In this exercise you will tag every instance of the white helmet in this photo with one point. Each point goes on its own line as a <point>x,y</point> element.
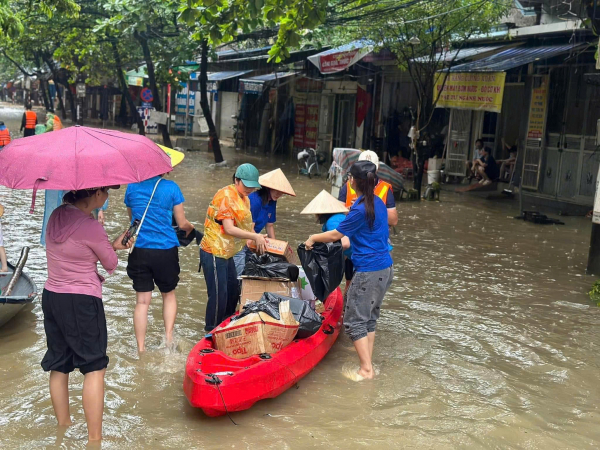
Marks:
<point>369,155</point>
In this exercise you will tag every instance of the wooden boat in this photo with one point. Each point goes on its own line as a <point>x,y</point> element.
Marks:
<point>218,384</point>
<point>23,294</point>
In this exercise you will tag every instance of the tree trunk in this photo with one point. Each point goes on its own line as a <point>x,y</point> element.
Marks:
<point>45,95</point>
<point>125,89</point>
<point>156,103</point>
<point>213,137</point>
<point>71,101</point>
<point>57,81</point>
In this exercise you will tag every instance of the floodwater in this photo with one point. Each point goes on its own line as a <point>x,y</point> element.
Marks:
<point>487,340</point>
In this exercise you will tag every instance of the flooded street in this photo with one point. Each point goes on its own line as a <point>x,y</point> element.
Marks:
<point>487,338</point>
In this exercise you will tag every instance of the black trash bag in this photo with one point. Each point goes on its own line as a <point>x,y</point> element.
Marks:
<point>270,266</point>
<point>324,267</point>
<point>309,320</point>
<point>185,240</point>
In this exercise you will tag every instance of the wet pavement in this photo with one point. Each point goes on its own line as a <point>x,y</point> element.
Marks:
<point>487,339</point>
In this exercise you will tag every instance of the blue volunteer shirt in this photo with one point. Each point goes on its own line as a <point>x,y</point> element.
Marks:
<point>332,224</point>
<point>370,251</point>
<point>156,231</point>
<point>262,214</point>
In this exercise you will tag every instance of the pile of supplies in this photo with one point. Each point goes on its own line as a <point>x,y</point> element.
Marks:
<point>276,305</point>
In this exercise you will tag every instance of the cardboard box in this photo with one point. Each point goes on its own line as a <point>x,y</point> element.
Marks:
<point>257,333</point>
<point>279,248</point>
<point>254,288</point>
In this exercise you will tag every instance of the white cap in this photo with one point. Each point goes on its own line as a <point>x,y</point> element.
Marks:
<point>369,155</point>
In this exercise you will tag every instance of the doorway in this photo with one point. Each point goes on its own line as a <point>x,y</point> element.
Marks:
<point>344,126</point>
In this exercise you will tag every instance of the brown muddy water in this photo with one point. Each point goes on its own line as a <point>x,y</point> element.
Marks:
<point>487,340</point>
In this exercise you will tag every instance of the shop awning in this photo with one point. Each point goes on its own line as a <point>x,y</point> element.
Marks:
<point>459,55</point>
<point>220,76</point>
<point>255,85</point>
<point>515,57</point>
<point>340,58</point>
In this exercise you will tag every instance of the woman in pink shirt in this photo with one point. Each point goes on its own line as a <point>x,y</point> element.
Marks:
<point>74,318</point>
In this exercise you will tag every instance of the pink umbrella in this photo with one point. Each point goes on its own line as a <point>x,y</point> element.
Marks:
<point>79,158</point>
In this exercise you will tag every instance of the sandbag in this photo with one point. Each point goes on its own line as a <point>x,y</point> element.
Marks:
<point>324,267</point>
<point>309,321</point>
<point>270,266</point>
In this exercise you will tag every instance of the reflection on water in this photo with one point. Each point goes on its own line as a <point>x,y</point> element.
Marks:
<point>487,339</point>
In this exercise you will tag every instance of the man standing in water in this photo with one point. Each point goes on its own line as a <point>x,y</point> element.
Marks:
<point>29,122</point>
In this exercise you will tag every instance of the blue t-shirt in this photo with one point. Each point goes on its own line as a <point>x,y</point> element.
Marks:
<point>262,214</point>
<point>390,201</point>
<point>156,231</point>
<point>370,251</point>
<point>332,224</point>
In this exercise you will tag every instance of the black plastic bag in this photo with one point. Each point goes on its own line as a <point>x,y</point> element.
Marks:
<point>310,321</point>
<point>324,267</point>
<point>270,266</point>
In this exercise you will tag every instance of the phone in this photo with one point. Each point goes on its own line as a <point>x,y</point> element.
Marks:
<point>130,232</point>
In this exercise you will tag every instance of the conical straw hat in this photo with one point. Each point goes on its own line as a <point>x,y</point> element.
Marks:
<point>1,210</point>
<point>324,203</point>
<point>275,179</point>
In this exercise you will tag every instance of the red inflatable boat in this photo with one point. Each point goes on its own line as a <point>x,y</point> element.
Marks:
<point>219,384</point>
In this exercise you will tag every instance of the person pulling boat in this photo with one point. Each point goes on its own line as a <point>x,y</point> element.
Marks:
<point>263,206</point>
<point>366,226</point>
<point>228,217</point>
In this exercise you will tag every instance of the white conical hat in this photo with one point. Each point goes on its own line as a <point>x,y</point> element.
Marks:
<point>275,179</point>
<point>324,203</point>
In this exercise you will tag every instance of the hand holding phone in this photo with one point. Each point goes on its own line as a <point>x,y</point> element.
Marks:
<point>130,232</point>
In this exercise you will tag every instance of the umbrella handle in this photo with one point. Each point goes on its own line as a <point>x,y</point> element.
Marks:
<point>35,189</point>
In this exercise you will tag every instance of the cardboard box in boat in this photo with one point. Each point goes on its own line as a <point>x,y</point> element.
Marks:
<point>253,288</point>
<point>278,248</point>
<point>257,333</point>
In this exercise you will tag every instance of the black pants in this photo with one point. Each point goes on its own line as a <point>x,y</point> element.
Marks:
<point>29,132</point>
<point>76,335</point>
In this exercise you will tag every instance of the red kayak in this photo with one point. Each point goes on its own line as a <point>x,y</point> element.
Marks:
<point>219,384</point>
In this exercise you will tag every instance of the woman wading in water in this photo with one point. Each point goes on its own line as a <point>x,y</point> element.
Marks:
<point>366,225</point>
<point>74,319</point>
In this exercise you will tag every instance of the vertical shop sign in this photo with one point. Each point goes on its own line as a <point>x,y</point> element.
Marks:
<point>537,110</point>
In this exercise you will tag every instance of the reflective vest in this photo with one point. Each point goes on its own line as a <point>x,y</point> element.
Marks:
<point>4,137</point>
<point>30,120</point>
<point>381,191</point>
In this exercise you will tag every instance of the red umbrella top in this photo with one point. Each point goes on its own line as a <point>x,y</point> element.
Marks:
<point>80,158</point>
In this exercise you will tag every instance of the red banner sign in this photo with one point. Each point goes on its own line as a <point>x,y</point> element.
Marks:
<point>338,61</point>
<point>306,126</point>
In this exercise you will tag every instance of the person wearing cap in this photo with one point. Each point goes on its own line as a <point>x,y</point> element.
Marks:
<point>383,190</point>
<point>263,206</point>
<point>366,226</point>
<point>74,320</point>
<point>227,226</point>
<point>3,260</point>
<point>5,136</point>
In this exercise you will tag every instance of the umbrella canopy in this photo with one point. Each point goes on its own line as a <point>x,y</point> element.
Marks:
<point>343,158</point>
<point>80,158</point>
<point>176,156</point>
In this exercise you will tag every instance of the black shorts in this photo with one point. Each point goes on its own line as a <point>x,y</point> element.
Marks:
<point>348,269</point>
<point>147,266</point>
<point>75,328</point>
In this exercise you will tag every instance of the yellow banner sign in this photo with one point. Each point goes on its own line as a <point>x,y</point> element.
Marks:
<point>478,91</point>
<point>537,109</point>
